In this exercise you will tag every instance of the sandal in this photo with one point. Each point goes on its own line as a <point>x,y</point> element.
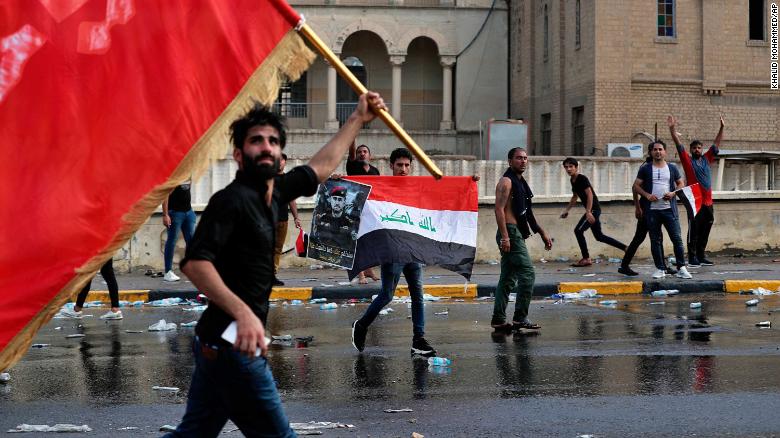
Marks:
<point>502,327</point>
<point>525,325</point>
<point>582,263</point>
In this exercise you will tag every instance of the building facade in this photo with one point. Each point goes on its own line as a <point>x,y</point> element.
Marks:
<point>441,66</point>
<point>587,73</point>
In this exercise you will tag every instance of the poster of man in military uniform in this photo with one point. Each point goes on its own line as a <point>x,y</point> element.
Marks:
<point>336,220</point>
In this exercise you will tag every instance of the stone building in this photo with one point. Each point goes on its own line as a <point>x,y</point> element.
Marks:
<point>441,65</point>
<point>587,73</point>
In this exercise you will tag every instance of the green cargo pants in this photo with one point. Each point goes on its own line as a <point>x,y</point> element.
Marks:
<point>517,271</point>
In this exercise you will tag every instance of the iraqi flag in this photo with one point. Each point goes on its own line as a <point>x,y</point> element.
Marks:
<point>105,107</point>
<point>692,198</point>
<point>418,219</point>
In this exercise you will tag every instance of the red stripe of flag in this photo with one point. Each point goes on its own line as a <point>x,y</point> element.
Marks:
<point>457,193</point>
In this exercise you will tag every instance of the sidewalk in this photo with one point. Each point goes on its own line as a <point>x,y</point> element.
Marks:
<point>730,274</point>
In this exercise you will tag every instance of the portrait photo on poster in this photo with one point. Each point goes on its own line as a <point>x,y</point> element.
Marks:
<point>336,221</point>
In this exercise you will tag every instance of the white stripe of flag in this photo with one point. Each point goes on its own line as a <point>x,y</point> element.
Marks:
<point>439,225</point>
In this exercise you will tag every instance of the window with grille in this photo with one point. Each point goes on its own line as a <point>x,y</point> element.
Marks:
<point>578,130</point>
<point>666,18</point>
<point>291,102</point>
<point>546,132</point>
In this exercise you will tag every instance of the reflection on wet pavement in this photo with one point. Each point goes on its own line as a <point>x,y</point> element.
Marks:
<point>583,349</point>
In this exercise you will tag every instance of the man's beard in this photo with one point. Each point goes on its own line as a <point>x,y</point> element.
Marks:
<point>260,172</point>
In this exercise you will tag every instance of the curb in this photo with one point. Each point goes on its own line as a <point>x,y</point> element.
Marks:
<point>740,285</point>
<point>467,290</point>
<point>603,287</point>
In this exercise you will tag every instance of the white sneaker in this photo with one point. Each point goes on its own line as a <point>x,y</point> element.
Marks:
<point>659,273</point>
<point>70,313</point>
<point>112,315</point>
<point>170,276</point>
<point>683,273</point>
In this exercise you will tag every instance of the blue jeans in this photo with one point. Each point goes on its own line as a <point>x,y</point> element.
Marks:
<point>667,218</point>
<point>391,273</point>
<point>228,385</point>
<point>180,220</point>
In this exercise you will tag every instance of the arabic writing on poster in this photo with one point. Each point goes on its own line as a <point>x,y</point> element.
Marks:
<point>426,223</point>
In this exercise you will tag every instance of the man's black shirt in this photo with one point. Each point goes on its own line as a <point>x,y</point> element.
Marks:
<point>283,212</point>
<point>355,168</point>
<point>236,234</point>
<point>180,198</point>
<point>578,187</point>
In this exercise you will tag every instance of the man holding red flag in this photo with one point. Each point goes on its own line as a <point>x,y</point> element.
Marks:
<point>230,259</point>
<point>697,170</point>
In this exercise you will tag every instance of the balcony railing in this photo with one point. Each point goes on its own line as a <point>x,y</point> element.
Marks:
<point>310,115</point>
<point>344,109</point>
<point>613,177</point>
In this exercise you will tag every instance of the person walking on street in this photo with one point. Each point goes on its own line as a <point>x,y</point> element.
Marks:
<point>177,215</point>
<point>359,164</point>
<point>640,234</point>
<point>230,259</point>
<point>581,187</point>
<point>697,170</point>
<point>656,184</point>
<point>401,163</point>
<point>107,271</point>
<point>281,226</point>
<point>516,222</point>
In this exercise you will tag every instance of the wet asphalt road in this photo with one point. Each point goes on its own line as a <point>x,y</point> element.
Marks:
<point>636,369</point>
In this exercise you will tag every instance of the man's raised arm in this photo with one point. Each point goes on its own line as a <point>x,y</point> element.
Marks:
<point>326,159</point>
<point>719,137</point>
<point>673,131</point>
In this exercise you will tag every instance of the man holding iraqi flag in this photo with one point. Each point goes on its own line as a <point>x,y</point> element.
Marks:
<point>405,223</point>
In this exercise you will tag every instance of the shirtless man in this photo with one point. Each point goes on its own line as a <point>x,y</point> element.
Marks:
<point>516,222</point>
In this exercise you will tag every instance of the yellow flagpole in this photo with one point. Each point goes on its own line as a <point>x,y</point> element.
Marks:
<point>359,88</point>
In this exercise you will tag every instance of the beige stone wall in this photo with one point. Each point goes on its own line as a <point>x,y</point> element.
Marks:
<point>694,77</point>
<point>630,79</point>
<point>560,82</point>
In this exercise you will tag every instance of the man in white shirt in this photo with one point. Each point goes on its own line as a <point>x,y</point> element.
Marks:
<point>656,184</point>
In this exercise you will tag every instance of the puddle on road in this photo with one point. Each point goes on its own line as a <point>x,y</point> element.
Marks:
<point>582,350</point>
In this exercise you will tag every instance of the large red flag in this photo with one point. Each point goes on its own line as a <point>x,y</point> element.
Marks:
<point>105,106</point>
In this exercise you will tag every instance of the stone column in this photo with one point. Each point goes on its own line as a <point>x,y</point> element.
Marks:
<point>446,101</point>
<point>331,122</point>
<point>396,61</point>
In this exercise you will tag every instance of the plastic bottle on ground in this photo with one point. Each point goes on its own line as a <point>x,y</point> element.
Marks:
<point>439,361</point>
<point>329,306</point>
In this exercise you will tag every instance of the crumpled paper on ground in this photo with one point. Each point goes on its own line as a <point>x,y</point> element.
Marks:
<point>47,428</point>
